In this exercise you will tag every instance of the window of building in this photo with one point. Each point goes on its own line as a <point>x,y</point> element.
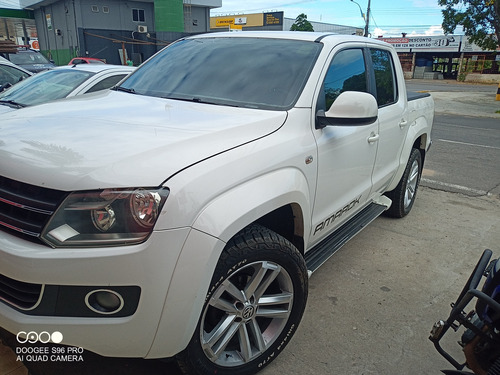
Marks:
<point>94,8</point>
<point>347,72</point>
<point>138,15</point>
<point>105,9</point>
<point>384,77</point>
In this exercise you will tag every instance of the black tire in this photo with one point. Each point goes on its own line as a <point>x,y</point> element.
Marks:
<point>403,196</point>
<point>255,302</point>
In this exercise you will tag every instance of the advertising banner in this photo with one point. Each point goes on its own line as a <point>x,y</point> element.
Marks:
<point>273,18</point>
<point>440,43</point>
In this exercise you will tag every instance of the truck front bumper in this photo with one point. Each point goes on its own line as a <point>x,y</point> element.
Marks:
<point>107,300</point>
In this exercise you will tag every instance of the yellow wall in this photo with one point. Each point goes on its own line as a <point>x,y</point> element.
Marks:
<point>245,20</point>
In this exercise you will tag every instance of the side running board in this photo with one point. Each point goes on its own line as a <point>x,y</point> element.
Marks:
<point>320,253</point>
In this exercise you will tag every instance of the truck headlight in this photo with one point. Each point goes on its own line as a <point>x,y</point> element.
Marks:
<point>109,217</point>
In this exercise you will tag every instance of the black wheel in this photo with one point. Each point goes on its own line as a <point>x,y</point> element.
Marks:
<point>253,307</point>
<point>403,196</point>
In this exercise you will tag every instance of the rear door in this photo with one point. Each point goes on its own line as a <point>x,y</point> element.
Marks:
<point>392,115</point>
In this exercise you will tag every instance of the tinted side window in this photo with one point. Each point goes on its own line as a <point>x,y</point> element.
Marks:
<point>11,75</point>
<point>106,83</point>
<point>347,72</point>
<point>384,77</point>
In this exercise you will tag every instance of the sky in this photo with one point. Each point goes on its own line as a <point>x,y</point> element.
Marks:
<point>387,17</point>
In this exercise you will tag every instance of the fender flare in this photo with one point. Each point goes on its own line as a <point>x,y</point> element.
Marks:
<point>216,224</point>
<point>237,208</point>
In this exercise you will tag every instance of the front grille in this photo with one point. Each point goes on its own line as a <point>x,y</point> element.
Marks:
<point>25,209</point>
<point>19,294</point>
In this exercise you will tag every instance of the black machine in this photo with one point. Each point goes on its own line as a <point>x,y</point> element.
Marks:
<point>481,339</point>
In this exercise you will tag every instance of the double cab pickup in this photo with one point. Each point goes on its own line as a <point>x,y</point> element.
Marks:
<point>181,213</point>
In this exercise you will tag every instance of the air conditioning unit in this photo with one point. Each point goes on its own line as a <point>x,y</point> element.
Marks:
<point>142,29</point>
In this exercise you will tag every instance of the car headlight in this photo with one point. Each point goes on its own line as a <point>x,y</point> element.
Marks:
<point>108,217</point>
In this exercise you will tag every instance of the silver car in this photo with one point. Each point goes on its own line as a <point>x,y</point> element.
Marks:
<point>62,82</point>
<point>11,74</point>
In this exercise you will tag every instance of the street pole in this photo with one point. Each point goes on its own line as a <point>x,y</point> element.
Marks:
<point>367,18</point>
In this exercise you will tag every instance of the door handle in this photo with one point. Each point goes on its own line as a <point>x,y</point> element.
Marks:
<point>403,123</point>
<point>373,138</point>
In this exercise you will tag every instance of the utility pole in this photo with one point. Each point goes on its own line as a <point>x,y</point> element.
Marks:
<point>367,18</point>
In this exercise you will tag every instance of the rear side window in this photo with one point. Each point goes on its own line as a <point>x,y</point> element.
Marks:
<point>347,72</point>
<point>384,77</point>
<point>106,83</point>
<point>9,74</point>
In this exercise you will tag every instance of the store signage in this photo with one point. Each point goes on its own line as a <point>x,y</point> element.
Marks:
<point>49,21</point>
<point>441,42</point>
<point>224,22</point>
<point>273,18</point>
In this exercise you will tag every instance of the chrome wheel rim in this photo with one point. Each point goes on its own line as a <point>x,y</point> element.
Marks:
<point>411,184</point>
<point>246,314</point>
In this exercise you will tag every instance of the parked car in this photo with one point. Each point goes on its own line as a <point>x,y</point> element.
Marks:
<point>62,82</point>
<point>85,60</point>
<point>31,60</point>
<point>11,74</point>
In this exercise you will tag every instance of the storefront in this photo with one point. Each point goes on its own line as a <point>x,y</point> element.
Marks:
<point>446,57</point>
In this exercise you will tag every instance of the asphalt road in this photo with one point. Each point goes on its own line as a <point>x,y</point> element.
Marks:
<point>448,86</point>
<point>372,305</point>
<point>465,154</point>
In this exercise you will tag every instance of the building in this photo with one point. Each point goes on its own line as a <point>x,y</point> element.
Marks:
<point>446,56</point>
<point>18,26</point>
<point>272,21</point>
<point>115,30</point>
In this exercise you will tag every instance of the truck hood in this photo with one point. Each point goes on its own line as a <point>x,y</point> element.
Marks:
<point>116,139</point>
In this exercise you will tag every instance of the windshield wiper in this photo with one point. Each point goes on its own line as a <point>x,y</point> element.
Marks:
<point>197,100</point>
<point>12,103</point>
<point>124,89</point>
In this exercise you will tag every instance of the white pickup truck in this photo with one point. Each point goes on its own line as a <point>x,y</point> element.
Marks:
<point>181,213</point>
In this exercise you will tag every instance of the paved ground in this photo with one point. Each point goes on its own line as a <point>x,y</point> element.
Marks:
<point>467,103</point>
<point>372,305</point>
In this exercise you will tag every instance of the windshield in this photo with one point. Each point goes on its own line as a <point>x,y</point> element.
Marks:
<point>246,72</point>
<point>45,86</point>
<point>27,58</point>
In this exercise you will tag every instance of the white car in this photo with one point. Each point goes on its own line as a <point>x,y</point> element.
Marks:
<point>62,82</point>
<point>11,74</point>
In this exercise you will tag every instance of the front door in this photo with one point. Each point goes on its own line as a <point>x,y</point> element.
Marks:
<point>346,154</point>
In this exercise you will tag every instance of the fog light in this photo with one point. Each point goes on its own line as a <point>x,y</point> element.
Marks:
<point>104,301</point>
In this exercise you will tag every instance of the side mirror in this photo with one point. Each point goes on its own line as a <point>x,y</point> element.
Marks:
<point>351,108</point>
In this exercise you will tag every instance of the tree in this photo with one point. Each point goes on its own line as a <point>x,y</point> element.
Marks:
<point>479,18</point>
<point>301,24</point>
